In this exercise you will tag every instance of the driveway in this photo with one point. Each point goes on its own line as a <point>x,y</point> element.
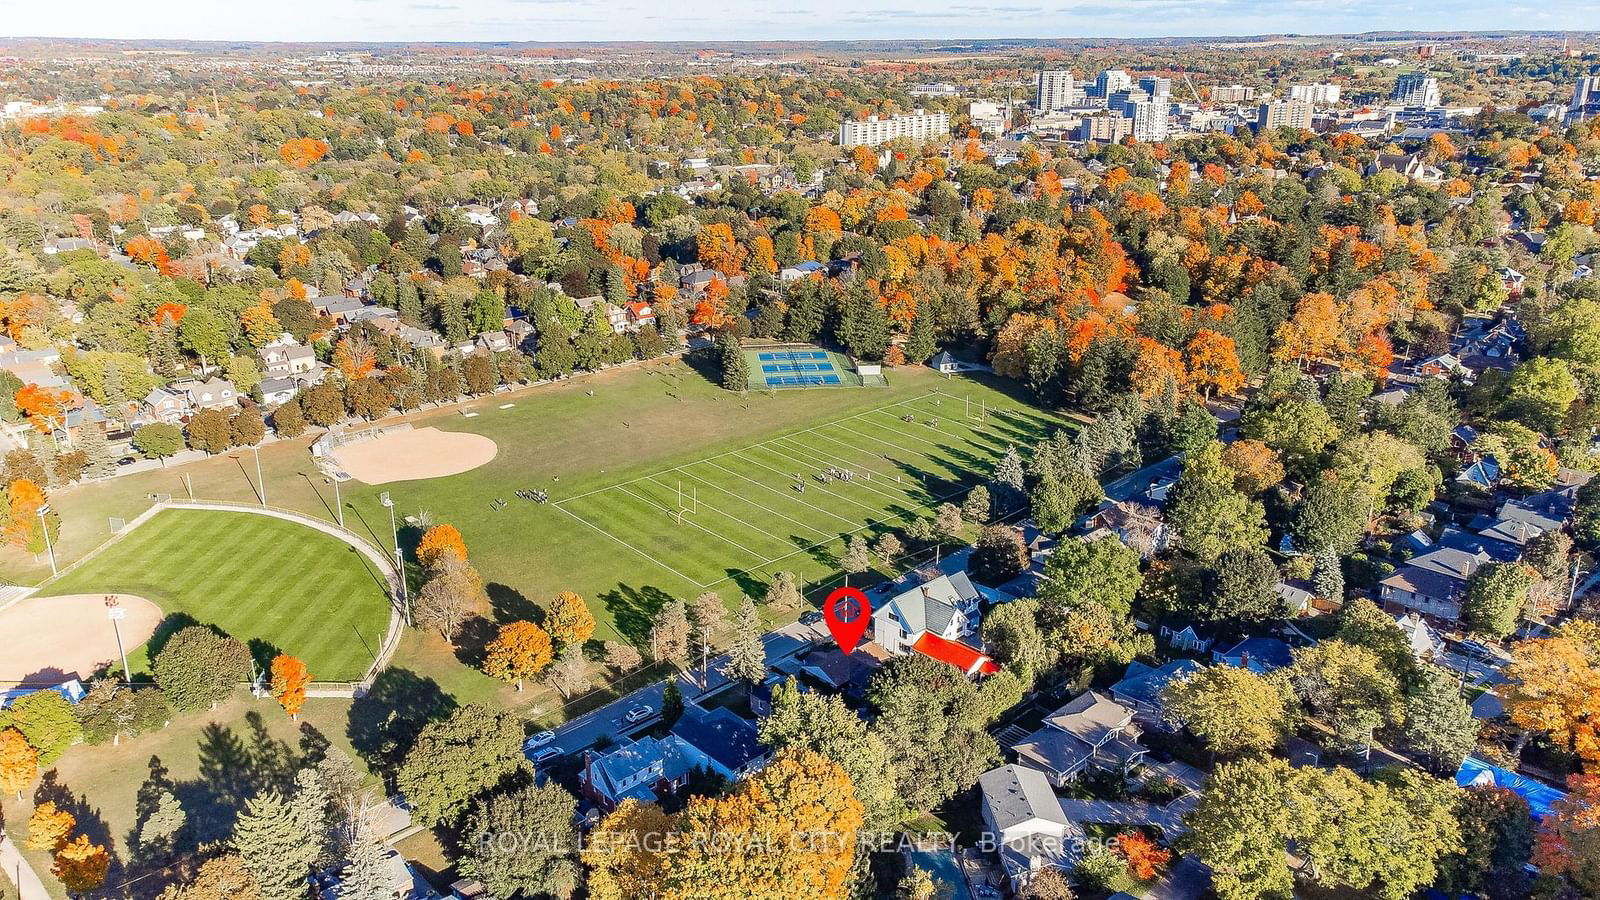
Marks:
<point>1188,879</point>
<point>1168,818</point>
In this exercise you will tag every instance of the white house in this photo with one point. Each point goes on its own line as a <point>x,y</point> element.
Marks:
<point>934,619</point>
<point>1023,820</point>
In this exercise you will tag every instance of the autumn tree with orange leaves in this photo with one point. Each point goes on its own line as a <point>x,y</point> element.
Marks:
<point>81,865</point>
<point>354,357</point>
<point>24,499</point>
<point>717,249</point>
<point>801,809</point>
<point>49,827</point>
<point>19,762</point>
<point>1144,856</point>
<point>438,541</point>
<point>1212,363</point>
<point>289,680</point>
<point>302,152</point>
<point>568,619</point>
<point>150,252</point>
<point>521,650</point>
<point>46,409</point>
<point>1568,842</point>
<point>1554,688</point>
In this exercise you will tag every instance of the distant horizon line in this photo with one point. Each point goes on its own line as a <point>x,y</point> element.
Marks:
<point>921,42</point>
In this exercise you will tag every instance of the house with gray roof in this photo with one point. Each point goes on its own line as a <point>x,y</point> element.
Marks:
<point>1091,730</point>
<point>1434,583</point>
<point>946,606</point>
<point>1141,686</point>
<point>1023,820</point>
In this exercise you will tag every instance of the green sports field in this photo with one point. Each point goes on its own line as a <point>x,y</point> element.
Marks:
<point>598,444</point>
<point>754,509</point>
<point>280,586</point>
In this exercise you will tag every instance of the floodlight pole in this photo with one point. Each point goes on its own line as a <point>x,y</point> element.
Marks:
<point>48,546</point>
<point>260,482</point>
<point>116,613</point>
<point>399,557</point>
<point>338,503</point>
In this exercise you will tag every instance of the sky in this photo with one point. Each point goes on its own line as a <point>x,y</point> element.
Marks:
<point>728,20</point>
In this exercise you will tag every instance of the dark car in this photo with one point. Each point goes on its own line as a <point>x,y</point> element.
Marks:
<point>811,618</point>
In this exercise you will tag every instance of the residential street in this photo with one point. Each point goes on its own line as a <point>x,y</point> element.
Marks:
<point>585,730</point>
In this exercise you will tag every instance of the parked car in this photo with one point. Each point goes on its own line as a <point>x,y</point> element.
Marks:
<point>811,618</point>
<point>638,714</point>
<point>539,740</point>
<point>548,754</point>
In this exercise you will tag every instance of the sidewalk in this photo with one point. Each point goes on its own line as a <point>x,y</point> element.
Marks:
<point>29,887</point>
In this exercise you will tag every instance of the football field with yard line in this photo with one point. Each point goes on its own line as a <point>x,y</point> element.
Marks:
<point>754,508</point>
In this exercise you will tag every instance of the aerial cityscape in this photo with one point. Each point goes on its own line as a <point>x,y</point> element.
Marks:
<point>825,454</point>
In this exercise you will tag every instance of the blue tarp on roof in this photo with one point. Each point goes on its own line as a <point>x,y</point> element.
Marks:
<point>1541,797</point>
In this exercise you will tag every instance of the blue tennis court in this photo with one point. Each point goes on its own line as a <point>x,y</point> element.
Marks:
<point>798,380</point>
<point>793,356</point>
<point>797,367</point>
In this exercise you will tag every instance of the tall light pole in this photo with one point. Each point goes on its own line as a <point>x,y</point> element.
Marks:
<point>116,613</point>
<point>261,483</point>
<point>45,527</point>
<point>338,504</point>
<point>399,558</point>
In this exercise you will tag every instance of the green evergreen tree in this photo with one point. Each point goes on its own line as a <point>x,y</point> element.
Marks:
<point>272,842</point>
<point>747,657</point>
<point>735,370</point>
<point>920,345</point>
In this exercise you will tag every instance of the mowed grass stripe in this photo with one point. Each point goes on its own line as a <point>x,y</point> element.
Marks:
<point>829,513</point>
<point>739,504</point>
<point>289,587</point>
<point>820,450</point>
<point>879,488</point>
<point>783,468</point>
<point>708,513</point>
<point>915,462</point>
<point>952,444</point>
<point>692,553</point>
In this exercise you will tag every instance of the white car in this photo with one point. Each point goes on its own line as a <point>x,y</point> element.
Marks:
<point>548,754</point>
<point>638,714</point>
<point>539,740</point>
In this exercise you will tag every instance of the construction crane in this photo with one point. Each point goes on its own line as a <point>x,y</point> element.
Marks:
<point>1197,98</point>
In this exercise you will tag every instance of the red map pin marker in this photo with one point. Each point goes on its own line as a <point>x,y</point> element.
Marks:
<point>847,612</point>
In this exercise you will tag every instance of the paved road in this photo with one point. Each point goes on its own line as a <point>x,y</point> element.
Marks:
<point>1189,879</point>
<point>29,887</point>
<point>607,721</point>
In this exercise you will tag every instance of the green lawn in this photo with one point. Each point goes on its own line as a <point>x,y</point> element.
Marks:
<point>210,760</point>
<point>280,586</point>
<point>629,432</point>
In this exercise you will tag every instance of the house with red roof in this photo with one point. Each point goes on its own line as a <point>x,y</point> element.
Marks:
<point>938,619</point>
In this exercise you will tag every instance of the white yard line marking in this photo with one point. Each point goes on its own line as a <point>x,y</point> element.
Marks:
<point>678,518</point>
<point>648,557</point>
